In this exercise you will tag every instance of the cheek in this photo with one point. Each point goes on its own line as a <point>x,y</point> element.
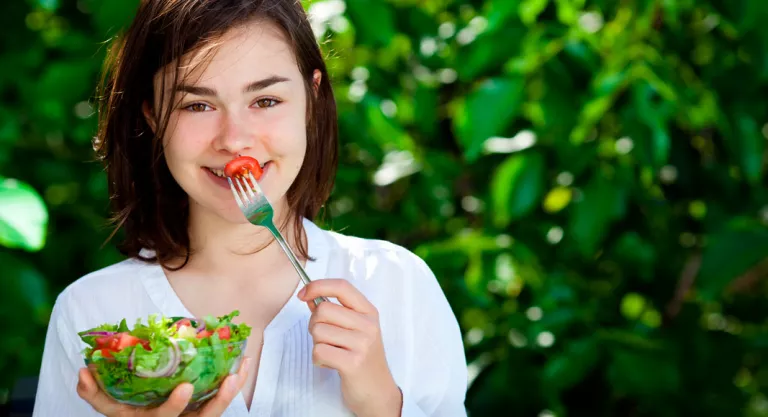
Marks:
<point>287,133</point>
<point>187,137</point>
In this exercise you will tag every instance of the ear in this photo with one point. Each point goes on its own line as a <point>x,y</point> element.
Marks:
<point>149,116</point>
<point>317,77</point>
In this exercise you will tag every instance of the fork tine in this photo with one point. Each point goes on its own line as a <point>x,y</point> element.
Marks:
<point>243,193</point>
<point>234,192</point>
<point>253,182</point>
<point>248,187</point>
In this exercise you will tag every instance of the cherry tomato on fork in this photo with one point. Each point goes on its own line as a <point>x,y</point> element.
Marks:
<point>242,165</point>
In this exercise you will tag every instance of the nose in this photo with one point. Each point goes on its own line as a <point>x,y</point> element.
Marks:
<point>234,136</point>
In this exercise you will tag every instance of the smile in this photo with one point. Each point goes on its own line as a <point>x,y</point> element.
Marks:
<point>220,172</point>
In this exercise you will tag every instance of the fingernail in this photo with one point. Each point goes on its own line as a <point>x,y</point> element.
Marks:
<point>232,383</point>
<point>186,390</point>
<point>302,292</point>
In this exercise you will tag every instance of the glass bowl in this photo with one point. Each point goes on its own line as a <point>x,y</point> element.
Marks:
<point>144,378</point>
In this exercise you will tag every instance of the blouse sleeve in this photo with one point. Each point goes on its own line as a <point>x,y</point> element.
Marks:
<point>438,377</point>
<point>56,391</point>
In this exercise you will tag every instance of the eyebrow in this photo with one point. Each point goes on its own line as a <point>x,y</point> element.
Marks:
<point>250,88</point>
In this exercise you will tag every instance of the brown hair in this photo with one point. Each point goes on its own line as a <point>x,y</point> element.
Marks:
<point>148,204</point>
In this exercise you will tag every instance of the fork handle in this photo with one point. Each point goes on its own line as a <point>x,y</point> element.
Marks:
<point>295,262</point>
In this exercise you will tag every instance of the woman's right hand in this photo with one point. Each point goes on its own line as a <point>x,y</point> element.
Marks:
<point>173,407</point>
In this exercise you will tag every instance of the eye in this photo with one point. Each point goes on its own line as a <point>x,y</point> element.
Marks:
<point>198,107</point>
<point>267,102</point>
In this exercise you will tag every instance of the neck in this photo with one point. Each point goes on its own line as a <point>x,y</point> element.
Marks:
<point>231,249</point>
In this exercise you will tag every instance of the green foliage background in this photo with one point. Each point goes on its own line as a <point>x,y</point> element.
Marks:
<point>586,178</point>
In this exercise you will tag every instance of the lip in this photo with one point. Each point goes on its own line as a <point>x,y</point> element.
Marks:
<point>222,168</point>
<point>222,181</point>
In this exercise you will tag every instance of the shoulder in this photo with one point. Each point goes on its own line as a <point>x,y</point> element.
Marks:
<point>374,252</point>
<point>104,295</point>
<point>375,266</point>
<point>107,280</point>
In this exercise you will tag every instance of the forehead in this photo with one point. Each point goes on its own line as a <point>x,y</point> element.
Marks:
<point>251,51</point>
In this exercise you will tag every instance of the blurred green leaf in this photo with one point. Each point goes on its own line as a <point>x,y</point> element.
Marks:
<point>389,135</point>
<point>25,292</point>
<point>752,148</point>
<point>740,245</point>
<point>623,339</point>
<point>373,20</point>
<point>602,203</point>
<point>486,112</point>
<point>425,102</point>
<point>568,10</point>
<point>557,199</point>
<point>517,187</point>
<point>467,242</point>
<point>500,13</point>
<point>647,375</point>
<point>113,15</point>
<point>530,10</point>
<point>67,82</point>
<point>23,216</point>
<point>632,250</point>
<point>489,51</point>
<point>632,306</point>
<point>570,367</point>
<point>9,127</point>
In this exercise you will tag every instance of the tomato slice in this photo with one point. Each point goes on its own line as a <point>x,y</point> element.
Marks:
<point>118,342</point>
<point>242,165</point>
<point>224,333</point>
<point>125,340</point>
<point>105,353</point>
<point>103,341</point>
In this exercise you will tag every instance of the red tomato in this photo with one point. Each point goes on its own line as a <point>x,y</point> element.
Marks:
<point>184,322</point>
<point>242,165</point>
<point>104,353</point>
<point>103,341</point>
<point>224,333</point>
<point>118,342</point>
<point>125,340</point>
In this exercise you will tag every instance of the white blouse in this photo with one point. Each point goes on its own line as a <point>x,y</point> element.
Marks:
<point>422,340</point>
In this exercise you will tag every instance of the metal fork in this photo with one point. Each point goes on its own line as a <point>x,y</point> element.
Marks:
<point>257,209</point>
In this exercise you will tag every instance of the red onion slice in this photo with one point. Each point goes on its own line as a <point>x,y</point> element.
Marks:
<point>200,325</point>
<point>166,370</point>
<point>99,333</point>
<point>132,358</point>
<point>176,358</point>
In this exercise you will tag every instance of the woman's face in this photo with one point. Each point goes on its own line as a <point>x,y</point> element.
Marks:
<point>245,97</point>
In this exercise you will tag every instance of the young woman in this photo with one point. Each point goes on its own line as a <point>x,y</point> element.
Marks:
<point>190,86</point>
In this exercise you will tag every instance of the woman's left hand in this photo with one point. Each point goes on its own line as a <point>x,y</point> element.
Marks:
<point>347,338</point>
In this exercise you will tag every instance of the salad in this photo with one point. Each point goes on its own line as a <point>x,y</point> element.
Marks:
<point>142,366</point>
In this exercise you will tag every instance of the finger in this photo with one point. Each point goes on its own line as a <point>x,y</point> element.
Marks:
<point>175,404</point>
<point>228,391</point>
<point>323,333</point>
<point>342,290</point>
<point>338,316</point>
<point>89,391</point>
<point>332,357</point>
